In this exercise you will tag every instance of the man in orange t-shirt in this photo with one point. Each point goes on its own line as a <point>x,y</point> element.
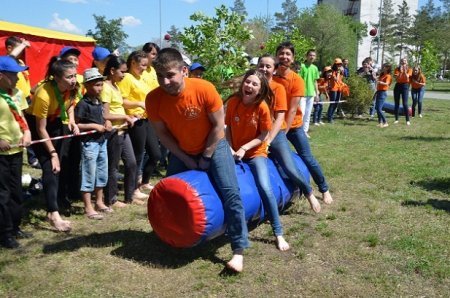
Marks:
<point>402,76</point>
<point>188,116</point>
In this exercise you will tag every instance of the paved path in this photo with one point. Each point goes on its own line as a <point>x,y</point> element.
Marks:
<point>430,94</point>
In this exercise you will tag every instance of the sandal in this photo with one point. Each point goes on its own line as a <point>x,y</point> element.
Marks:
<point>95,216</point>
<point>105,210</point>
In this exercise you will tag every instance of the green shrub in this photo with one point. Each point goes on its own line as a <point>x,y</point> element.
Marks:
<point>360,97</point>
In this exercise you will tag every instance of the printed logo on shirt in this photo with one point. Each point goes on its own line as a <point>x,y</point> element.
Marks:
<point>192,112</point>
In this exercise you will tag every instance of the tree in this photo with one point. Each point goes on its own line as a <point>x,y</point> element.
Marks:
<point>338,38</point>
<point>239,8</point>
<point>175,41</point>
<point>387,32</point>
<point>108,34</point>
<point>218,43</point>
<point>285,21</point>
<point>300,42</point>
<point>402,27</point>
<point>260,28</point>
<point>429,59</point>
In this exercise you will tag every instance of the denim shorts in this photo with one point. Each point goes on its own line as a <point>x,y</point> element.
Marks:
<point>94,165</point>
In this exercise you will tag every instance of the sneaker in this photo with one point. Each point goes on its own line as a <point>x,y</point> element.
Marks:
<point>408,123</point>
<point>35,164</point>
<point>420,116</point>
<point>385,125</point>
<point>8,241</point>
<point>396,122</point>
<point>380,125</point>
<point>316,124</point>
<point>321,123</point>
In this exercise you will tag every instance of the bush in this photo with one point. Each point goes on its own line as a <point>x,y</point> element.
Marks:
<point>360,97</point>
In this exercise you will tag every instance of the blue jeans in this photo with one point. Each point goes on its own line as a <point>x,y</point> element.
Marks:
<point>222,173</point>
<point>417,97</point>
<point>282,153</point>
<point>334,97</point>
<point>258,166</point>
<point>317,114</point>
<point>94,165</point>
<point>300,142</point>
<point>381,97</point>
<point>401,90</point>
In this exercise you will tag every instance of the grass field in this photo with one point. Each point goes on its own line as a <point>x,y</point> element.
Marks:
<point>433,85</point>
<point>386,235</point>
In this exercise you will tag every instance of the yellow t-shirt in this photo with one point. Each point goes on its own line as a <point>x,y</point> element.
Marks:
<point>9,128</point>
<point>134,89</point>
<point>150,77</point>
<point>115,100</point>
<point>45,104</point>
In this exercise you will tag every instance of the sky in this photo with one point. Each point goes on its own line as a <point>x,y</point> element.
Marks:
<point>140,18</point>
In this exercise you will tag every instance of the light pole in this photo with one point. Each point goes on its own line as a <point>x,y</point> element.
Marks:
<point>379,35</point>
<point>160,25</point>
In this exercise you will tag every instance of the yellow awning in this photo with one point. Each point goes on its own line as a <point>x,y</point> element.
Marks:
<point>24,29</point>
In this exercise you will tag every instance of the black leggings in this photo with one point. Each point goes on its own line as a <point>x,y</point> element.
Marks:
<point>143,137</point>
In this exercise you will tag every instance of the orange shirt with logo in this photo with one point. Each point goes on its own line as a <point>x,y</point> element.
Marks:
<point>295,87</point>
<point>279,102</point>
<point>402,77</point>
<point>186,115</point>
<point>414,84</point>
<point>246,123</point>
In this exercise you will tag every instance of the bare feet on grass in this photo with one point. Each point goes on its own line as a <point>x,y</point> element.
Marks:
<point>326,197</point>
<point>58,223</point>
<point>313,202</point>
<point>236,263</point>
<point>282,244</point>
<point>119,204</point>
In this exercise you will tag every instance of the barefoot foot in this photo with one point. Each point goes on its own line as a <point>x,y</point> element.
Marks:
<point>313,202</point>
<point>236,263</point>
<point>282,244</point>
<point>326,197</point>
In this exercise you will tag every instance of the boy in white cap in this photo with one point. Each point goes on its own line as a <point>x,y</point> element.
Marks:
<point>94,156</point>
<point>13,131</point>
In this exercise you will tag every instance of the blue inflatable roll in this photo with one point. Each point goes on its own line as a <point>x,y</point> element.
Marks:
<point>390,108</point>
<point>184,210</point>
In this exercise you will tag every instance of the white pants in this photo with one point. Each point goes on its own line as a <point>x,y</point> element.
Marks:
<point>306,105</point>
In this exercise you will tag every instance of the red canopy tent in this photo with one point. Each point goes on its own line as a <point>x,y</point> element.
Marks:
<point>45,44</point>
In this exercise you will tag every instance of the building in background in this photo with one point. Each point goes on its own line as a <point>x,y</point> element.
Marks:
<point>368,12</point>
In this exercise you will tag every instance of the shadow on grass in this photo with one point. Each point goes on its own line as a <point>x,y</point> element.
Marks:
<point>435,184</point>
<point>142,247</point>
<point>424,138</point>
<point>436,204</point>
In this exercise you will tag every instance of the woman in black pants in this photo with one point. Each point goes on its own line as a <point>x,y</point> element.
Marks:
<point>134,88</point>
<point>53,105</point>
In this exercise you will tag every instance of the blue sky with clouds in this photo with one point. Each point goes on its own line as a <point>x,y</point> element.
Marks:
<point>140,18</point>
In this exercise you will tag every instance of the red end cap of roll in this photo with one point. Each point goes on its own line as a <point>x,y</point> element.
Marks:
<point>176,213</point>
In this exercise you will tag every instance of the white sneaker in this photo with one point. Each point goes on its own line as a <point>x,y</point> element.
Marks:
<point>316,124</point>
<point>321,123</point>
<point>396,122</point>
<point>420,116</point>
<point>408,123</point>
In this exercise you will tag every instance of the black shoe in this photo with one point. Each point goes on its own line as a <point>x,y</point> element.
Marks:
<point>19,234</point>
<point>9,242</point>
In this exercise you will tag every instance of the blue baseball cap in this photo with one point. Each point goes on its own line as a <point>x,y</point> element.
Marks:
<point>9,64</point>
<point>69,50</point>
<point>100,53</point>
<point>195,66</point>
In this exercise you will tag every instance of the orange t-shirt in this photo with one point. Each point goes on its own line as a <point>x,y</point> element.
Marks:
<point>246,123</point>
<point>421,79</point>
<point>386,78</point>
<point>322,85</point>
<point>336,82</point>
<point>279,103</point>
<point>295,87</point>
<point>186,115</point>
<point>400,77</point>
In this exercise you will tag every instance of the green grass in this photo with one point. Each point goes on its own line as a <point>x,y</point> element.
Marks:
<point>385,235</point>
<point>443,86</point>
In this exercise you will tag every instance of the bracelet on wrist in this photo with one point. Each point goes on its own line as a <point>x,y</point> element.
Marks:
<point>53,152</point>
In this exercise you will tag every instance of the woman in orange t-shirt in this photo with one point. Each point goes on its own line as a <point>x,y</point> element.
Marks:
<point>417,89</point>
<point>402,76</point>
<point>248,123</point>
<point>383,83</point>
